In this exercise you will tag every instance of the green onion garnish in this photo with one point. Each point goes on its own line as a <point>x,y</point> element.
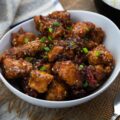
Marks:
<point>97,53</point>
<point>42,68</point>
<point>49,38</point>
<point>26,40</point>
<point>69,27</point>
<point>56,24</point>
<point>85,50</point>
<point>47,49</point>
<point>45,57</point>
<point>81,67</point>
<point>43,39</point>
<point>29,59</point>
<point>85,84</point>
<point>50,30</point>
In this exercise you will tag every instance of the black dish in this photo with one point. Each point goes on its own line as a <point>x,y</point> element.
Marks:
<point>108,11</point>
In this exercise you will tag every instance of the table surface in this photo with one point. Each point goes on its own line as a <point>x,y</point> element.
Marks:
<point>100,108</point>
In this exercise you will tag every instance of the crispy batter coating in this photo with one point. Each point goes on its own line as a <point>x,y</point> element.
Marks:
<point>27,90</point>
<point>56,92</point>
<point>22,37</point>
<point>52,55</point>
<point>82,28</point>
<point>40,80</point>
<point>29,49</point>
<point>16,68</point>
<point>68,72</point>
<point>97,35</point>
<point>100,55</point>
<point>63,15</point>
<point>48,26</point>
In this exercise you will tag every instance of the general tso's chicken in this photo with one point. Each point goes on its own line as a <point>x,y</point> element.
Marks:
<point>22,37</point>
<point>29,49</point>
<point>62,16</point>
<point>48,26</point>
<point>97,35</point>
<point>52,55</point>
<point>16,68</point>
<point>40,80</point>
<point>68,72</point>
<point>94,38</point>
<point>100,55</point>
<point>26,89</point>
<point>100,73</point>
<point>82,28</point>
<point>56,92</point>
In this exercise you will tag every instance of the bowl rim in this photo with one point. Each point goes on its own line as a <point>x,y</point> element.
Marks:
<point>58,104</point>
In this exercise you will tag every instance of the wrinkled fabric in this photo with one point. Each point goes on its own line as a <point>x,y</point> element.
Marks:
<point>13,12</point>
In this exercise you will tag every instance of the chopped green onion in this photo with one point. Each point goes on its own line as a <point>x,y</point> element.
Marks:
<point>47,49</point>
<point>72,43</point>
<point>97,53</point>
<point>43,39</point>
<point>49,38</point>
<point>56,24</point>
<point>85,84</point>
<point>50,30</point>
<point>85,50</point>
<point>29,59</point>
<point>81,67</point>
<point>26,40</point>
<point>45,57</point>
<point>69,27</point>
<point>42,68</point>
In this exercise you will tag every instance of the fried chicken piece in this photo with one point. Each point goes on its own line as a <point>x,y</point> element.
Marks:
<point>16,68</point>
<point>22,37</point>
<point>62,16</point>
<point>97,35</point>
<point>68,72</point>
<point>90,44</point>
<point>100,55</point>
<point>40,80</point>
<point>27,90</point>
<point>52,55</point>
<point>82,28</point>
<point>101,72</point>
<point>29,49</point>
<point>56,92</point>
<point>48,26</point>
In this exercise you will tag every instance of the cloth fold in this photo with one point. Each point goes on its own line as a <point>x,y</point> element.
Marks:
<point>13,12</point>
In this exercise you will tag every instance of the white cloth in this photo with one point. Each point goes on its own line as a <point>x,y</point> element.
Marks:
<point>13,12</point>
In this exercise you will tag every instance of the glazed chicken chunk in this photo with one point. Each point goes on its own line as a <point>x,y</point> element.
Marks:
<point>62,16</point>
<point>52,55</point>
<point>16,68</point>
<point>22,37</point>
<point>82,28</point>
<point>29,49</point>
<point>49,26</point>
<point>40,80</point>
<point>100,55</point>
<point>97,35</point>
<point>56,92</point>
<point>68,72</point>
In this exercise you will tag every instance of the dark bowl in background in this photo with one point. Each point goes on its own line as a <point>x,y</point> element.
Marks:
<point>108,11</point>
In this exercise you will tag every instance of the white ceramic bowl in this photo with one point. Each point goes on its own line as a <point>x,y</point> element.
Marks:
<point>112,41</point>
